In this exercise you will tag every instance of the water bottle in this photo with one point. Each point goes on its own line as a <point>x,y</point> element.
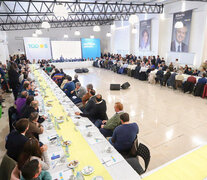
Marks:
<point>79,176</point>
<point>67,151</point>
<point>58,140</point>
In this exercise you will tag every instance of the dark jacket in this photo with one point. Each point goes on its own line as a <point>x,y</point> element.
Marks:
<point>97,112</point>
<point>13,78</point>
<point>14,144</point>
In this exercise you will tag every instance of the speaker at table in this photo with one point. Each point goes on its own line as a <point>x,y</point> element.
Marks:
<point>114,86</point>
<point>126,85</point>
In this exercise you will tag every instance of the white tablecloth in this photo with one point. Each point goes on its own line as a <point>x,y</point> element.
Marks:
<point>80,64</point>
<point>119,171</point>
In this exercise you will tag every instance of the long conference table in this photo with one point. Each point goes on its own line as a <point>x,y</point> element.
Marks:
<point>63,125</point>
<point>66,65</point>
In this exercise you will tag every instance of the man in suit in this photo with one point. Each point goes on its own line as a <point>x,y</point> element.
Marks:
<point>98,112</point>
<point>178,45</point>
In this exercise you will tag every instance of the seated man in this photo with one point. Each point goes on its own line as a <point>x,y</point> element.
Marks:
<point>34,127</point>
<point>91,102</point>
<point>107,127</point>
<point>165,77</point>
<point>69,87</point>
<point>98,112</point>
<point>86,97</point>
<point>179,80</point>
<point>33,170</point>
<point>191,79</point>
<point>202,80</point>
<point>75,79</point>
<point>159,75</point>
<point>124,135</point>
<point>27,87</point>
<point>16,139</point>
<point>80,91</point>
<point>33,107</point>
<point>20,102</point>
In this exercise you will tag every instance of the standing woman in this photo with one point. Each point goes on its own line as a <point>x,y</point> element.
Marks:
<point>14,79</point>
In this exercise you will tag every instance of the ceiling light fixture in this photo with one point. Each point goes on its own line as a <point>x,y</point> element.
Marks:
<point>45,25</point>
<point>34,35</point>
<point>77,33</point>
<point>96,28</point>
<point>60,11</point>
<point>38,32</point>
<point>65,36</point>
<point>133,19</point>
<point>108,34</point>
<point>134,30</point>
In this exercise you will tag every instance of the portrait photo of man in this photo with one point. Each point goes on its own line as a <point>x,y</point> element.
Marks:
<point>178,44</point>
<point>181,32</point>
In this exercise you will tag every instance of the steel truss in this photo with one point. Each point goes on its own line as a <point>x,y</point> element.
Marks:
<point>27,14</point>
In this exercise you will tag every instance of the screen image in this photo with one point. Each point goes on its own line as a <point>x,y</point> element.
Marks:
<point>145,35</point>
<point>37,48</point>
<point>181,36</point>
<point>66,49</point>
<point>90,48</point>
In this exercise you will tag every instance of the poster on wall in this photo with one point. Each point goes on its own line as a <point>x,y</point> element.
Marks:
<point>181,31</point>
<point>37,48</point>
<point>145,35</point>
<point>90,48</point>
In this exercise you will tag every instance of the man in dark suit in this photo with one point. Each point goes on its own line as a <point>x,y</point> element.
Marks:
<point>98,112</point>
<point>178,45</point>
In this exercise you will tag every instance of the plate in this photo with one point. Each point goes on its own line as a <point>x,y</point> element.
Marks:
<point>73,164</point>
<point>87,170</point>
<point>49,126</point>
<point>60,118</point>
<point>66,143</point>
<point>97,178</point>
<point>60,121</point>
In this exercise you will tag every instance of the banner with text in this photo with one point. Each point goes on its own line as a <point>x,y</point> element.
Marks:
<point>90,48</point>
<point>37,48</point>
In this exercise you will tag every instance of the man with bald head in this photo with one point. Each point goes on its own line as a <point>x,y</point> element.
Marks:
<point>20,102</point>
<point>98,112</point>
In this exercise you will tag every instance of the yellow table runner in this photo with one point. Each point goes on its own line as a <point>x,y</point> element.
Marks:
<point>79,149</point>
<point>192,166</point>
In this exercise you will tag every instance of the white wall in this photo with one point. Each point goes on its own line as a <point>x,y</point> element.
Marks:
<point>197,34</point>
<point>16,45</point>
<point>124,42</point>
<point>4,54</point>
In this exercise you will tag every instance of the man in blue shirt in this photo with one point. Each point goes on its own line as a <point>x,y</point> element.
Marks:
<point>124,134</point>
<point>69,87</point>
<point>203,80</point>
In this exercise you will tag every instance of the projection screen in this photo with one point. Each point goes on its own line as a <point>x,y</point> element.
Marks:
<point>66,49</point>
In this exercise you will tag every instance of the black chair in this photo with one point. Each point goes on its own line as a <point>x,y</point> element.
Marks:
<point>198,91</point>
<point>144,153</point>
<point>12,117</point>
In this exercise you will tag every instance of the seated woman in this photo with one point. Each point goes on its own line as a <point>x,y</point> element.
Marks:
<point>124,134</point>
<point>32,150</point>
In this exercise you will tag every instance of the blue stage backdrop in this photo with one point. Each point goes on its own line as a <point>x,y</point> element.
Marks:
<point>90,48</point>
